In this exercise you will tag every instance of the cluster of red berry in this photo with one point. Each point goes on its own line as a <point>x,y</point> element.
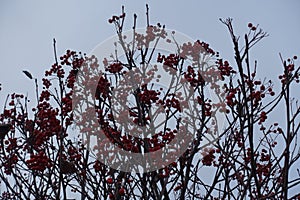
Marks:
<point>74,154</point>
<point>39,161</point>
<point>230,98</point>
<point>114,68</point>
<point>56,69</point>
<point>263,117</point>
<point>208,156</point>
<point>115,18</point>
<point>10,162</point>
<point>194,78</point>
<point>289,72</point>
<point>194,50</point>
<point>66,103</point>
<point>103,88</point>
<point>206,105</point>
<point>252,27</point>
<point>171,60</point>
<point>225,68</point>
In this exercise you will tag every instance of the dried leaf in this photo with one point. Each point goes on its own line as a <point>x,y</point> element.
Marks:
<point>28,74</point>
<point>4,129</point>
<point>67,167</point>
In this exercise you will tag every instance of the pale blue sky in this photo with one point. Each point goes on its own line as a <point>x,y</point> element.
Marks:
<point>28,27</point>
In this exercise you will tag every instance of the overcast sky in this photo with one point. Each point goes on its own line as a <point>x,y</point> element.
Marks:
<point>28,27</point>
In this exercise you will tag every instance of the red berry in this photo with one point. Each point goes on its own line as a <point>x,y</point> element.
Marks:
<point>109,180</point>
<point>122,191</point>
<point>250,25</point>
<point>111,196</point>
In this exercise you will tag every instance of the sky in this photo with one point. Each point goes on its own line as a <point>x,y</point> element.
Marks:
<point>27,29</point>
